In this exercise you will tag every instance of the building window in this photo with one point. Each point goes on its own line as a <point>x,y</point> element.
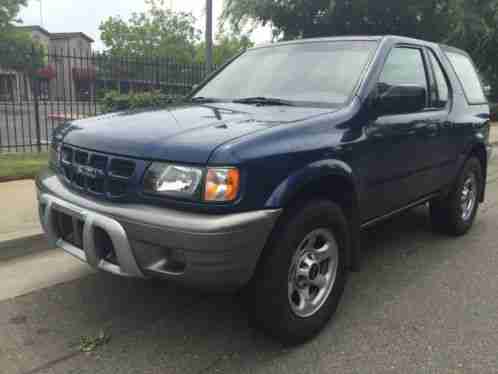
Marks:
<point>83,90</point>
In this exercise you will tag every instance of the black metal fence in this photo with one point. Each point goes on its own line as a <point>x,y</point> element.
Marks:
<point>66,85</point>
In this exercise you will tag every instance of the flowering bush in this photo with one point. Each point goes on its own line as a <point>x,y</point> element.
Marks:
<point>47,72</point>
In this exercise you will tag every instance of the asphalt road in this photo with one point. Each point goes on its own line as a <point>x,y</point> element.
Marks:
<point>424,303</point>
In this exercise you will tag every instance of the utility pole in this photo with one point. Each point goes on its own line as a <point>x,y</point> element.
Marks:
<point>41,13</point>
<point>209,34</point>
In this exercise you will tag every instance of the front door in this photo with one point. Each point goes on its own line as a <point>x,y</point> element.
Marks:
<point>399,147</point>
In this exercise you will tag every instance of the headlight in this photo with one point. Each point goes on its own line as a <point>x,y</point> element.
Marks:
<point>172,180</point>
<point>222,184</point>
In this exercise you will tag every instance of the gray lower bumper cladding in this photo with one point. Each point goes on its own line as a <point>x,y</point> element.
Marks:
<point>202,250</point>
<point>127,265</point>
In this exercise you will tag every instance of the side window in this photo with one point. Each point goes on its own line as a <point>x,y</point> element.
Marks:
<point>468,77</point>
<point>440,97</point>
<point>404,66</point>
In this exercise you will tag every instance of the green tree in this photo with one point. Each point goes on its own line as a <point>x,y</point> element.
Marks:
<point>158,32</point>
<point>9,9</point>
<point>476,31</point>
<point>308,18</point>
<point>225,47</point>
<point>18,51</point>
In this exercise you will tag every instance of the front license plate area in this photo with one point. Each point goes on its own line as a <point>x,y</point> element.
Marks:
<point>68,227</point>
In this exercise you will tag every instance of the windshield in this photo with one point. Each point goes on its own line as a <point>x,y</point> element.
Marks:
<point>318,72</point>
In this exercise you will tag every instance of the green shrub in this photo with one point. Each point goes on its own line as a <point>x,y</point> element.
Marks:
<point>114,101</point>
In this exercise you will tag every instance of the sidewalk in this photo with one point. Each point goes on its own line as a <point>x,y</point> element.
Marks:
<point>19,211</point>
<point>27,261</point>
<point>493,136</point>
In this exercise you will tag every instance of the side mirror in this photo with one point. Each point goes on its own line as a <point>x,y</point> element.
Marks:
<point>403,99</point>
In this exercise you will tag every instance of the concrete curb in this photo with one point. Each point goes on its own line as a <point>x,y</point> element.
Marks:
<point>27,230</point>
<point>11,249</point>
<point>13,179</point>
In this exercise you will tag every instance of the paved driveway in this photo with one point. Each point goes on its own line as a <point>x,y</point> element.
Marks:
<point>424,303</point>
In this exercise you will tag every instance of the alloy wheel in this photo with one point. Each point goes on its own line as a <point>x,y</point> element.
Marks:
<point>313,272</point>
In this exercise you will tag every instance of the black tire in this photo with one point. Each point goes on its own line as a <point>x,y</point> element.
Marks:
<point>267,296</point>
<point>447,213</point>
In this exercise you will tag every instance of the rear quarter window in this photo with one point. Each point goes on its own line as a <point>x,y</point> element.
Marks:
<point>468,76</point>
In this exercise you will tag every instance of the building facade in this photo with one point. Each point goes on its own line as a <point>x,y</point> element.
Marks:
<point>67,74</point>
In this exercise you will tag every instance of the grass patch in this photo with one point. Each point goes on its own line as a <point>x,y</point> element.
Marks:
<point>22,165</point>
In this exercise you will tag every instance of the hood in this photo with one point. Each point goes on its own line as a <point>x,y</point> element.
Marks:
<point>186,133</point>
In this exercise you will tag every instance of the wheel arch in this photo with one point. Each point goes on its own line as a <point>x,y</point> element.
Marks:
<point>333,180</point>
<point>479,151</point>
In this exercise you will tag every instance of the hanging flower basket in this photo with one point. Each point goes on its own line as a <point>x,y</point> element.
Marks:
<point>47,72</point>
<point>85,74</point>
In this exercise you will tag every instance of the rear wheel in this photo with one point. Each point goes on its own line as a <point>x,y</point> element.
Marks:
<point>301,277</point>
<point>455,214</point>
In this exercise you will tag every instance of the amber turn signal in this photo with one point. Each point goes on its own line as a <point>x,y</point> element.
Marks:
<point>222,184</point>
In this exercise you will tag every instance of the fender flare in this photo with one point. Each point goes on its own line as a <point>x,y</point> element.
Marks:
<point>295,183</point>
<point>470,148</point>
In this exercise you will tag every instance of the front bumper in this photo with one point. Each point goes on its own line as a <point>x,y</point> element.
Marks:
<point>213,251</point>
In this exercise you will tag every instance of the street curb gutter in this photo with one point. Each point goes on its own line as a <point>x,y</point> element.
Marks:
<point>11,249</point>
<point>13,179</point>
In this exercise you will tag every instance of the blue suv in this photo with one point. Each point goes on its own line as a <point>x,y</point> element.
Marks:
<point>263,179</point>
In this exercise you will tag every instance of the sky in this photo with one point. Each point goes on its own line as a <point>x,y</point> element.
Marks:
<point>86,15</point>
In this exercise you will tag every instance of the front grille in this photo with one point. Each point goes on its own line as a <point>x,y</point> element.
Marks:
<point>97,173</point>
<point>122,168</point>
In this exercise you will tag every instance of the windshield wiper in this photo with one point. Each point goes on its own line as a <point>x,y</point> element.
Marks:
<point>261,100</point>
<point>202,99</point>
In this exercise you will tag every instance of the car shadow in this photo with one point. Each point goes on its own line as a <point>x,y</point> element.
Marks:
<point>196,330</point>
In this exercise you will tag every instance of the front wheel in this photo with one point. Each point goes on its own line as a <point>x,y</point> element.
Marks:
<point>455,214</point>
<point>300,280</point>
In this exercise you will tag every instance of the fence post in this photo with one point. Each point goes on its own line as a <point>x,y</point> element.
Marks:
<point>36,90</point>
<point>209,35</point>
